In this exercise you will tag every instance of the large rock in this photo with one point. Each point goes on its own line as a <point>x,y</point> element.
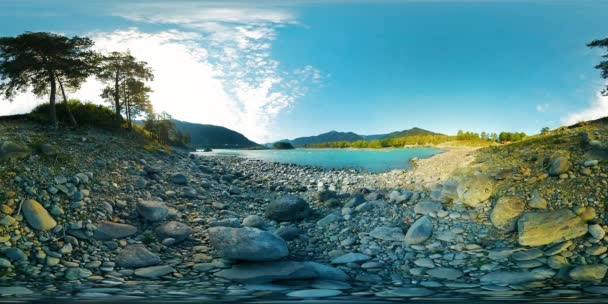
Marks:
<point>420,231</point>
<point>559,165</point>
<point>37,216</point>
<point>473,190</point>
<point>108,231</point>
<point>179,179</point>
<point>542,228</point>
<point>288,208</point>
<point>506,212</point>
<point>11,150</point>
<point>387,233</point>
<point>284,270</point>
<point>468,190</point>
<point>351,257</point>
<point>250,244</point>
<point>425,207</point>
<point>589,272</point>
<point>136,256</point>
<point>152,210</point>
<point>174,230</point>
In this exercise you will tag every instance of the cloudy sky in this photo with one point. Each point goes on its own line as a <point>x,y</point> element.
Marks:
<point>283,69</point>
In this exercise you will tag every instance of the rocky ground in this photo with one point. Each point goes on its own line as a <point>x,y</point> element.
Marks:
<point>92,214</point>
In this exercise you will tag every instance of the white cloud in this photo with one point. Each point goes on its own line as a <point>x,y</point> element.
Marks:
<point>542,107</point>
<point>216,69</point>
<point>598,109</point>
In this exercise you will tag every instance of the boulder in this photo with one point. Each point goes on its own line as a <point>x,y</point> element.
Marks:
<point>136,256</point>
<point>152,210</point>
<point>288,208</point>
<point>420,231</point>
<point>559,165</point>
<point>37,216</point>
<point>542,228</point>
<point>179,179</point>
<point>473,190</point>
<point>425,207</point>
<point>254,221</point>
<point>506,212</point>
<point>174,230</point>
<point>248,244</point>
<point>108,231</point>
<point>11,150</point>
<point>288,232</point>
<point>284,270</point>
<point>589,272</point>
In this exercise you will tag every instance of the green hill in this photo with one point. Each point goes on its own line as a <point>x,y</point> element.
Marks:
<point>210,136</point>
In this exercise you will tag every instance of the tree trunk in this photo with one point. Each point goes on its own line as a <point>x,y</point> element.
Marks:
<point>52,110</point>
<point>67,106</point>
<point>117,116</point>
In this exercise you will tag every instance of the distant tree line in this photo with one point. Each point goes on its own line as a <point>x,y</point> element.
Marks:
<point>49,64</point>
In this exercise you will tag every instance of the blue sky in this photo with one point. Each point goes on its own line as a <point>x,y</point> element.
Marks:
<point>283,69</point>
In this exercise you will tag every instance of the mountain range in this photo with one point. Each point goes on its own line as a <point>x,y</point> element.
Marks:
<point>333,136</point>
<point>210,136</point>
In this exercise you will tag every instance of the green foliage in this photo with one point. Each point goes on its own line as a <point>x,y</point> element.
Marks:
<point>162,129</point>
<point>282,145</point>
<point>544,130</point>
<point>39,61</point>
<point>504,137</point>
<point>87,114</point>
<point>603,65</point>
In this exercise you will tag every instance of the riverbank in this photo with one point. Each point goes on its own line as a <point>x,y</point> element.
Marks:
<point>90,214</point>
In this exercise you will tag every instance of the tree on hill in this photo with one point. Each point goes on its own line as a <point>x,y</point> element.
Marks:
<point>39,61</point>
<point>162,127</point>
<point>117,70</point>
<point>603,65</point>
<point>544,130</point>
<point>135,96</point>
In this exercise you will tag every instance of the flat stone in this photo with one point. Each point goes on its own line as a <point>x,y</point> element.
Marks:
<point>410,292</point>
<point>283,270</point>
<point>420,231</point>
<point>526,255</point>
<point>108,231</point>
<point>387,233</point>
<point>506,212</point>
<point>352,257</point>
<point>136,256</point>
<point>473,190</point>
<point>250,244</point>
<point>154,272</point>
<point>445,273</point>
<point>37,216</point>
<point>542,228</point>
<point>314,293</point>
<point>557,248</point>
<point>515,277</point>
<point>175,230</point>
<point>329,219</point>
<point>15,291</point>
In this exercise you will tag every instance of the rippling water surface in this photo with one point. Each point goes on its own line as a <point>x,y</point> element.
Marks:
<point>368,160</point>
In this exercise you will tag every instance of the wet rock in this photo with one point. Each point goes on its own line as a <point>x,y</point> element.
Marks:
<point>589,272</point>
<point>108,231</point>
<point>248,244</point>
<point>288,208</point>
<point>542,228</point>
<point>37,216</point>
<point>506,212</point>
<point>136,256</point>
<point>174,230</point>
<point>420,231</point>
<point>152,210</point>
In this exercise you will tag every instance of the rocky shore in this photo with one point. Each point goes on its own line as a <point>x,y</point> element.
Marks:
<point>90,214</point>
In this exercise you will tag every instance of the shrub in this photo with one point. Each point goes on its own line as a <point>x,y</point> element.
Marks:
<point>86,114</point>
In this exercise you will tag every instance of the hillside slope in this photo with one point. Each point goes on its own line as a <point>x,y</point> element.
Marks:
<point>210,136</point>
